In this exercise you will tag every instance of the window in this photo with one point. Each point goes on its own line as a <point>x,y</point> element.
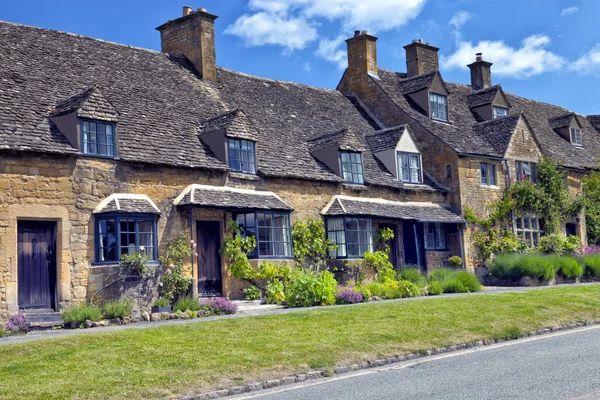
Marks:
<point>435,236</point>
<point>448,171</point>
<point>352,168</point>
<point>353,236</point>
<point>530,229</point>
<point>438,105</point>
<point>242,155</point>
<point>526,170</point>
<point>576,136</point>
<point>500,112</point>
<point>98,138</point>
<point>488,174</point>
<point>124,234</point>
<point>409,166</point>
<point>272,233</point>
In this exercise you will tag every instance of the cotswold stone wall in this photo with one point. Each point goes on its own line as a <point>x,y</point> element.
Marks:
<point>67,189</point>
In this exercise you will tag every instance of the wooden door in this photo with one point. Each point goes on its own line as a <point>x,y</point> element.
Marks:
<point>412,233</point>
<point>36,250</point>
<point>208,237</point>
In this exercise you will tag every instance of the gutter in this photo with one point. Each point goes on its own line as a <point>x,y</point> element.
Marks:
<point>512,212</point>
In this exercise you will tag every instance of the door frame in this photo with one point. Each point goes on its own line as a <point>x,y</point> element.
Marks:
<point>219,225</point>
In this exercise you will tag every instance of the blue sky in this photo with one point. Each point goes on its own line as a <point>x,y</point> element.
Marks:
<point>548,50</point>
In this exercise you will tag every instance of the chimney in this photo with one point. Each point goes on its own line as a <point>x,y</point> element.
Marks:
<point>192,35</point>
<point>421,58</point>
<point>481,74</point>
<point>362,62</point>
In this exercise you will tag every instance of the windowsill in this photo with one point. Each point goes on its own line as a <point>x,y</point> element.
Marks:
<point>117,264</point>
<point>577,146</point>
<point>441,121</point>
<point>437,250</point>
<point>493,187</point>
<point>241,175</point>
<point>101,156</point>
<point>354,186</point>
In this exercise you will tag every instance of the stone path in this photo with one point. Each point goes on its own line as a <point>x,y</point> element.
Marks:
<point>256,312</point>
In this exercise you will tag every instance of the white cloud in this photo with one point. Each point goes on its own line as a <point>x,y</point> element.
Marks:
<point>329,49</point>
<point>588,64</point>
<point>531,58</point>
<point>292,23</point>
<point>271,29</point>
<point>306,66</point>
<point>459,19</point>
<point>569,11</point>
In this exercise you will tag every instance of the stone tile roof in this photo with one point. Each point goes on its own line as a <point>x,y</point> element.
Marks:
<point>424,212</point>
<point>385,139</point>
<point>161,105</point>
<point>344,139</point>
<point>497,132</point>
<point>595,121</point>
<point>230,198</point>
<point>464,134</point>
<point>127,203</point>
<point>416,83</point>
<point>561,121</point>
<point>235,123</point>
<point>481,97</point>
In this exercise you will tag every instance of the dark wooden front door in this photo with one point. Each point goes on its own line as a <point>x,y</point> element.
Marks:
<point>36,249</point>
<point>392,243</point>
<point>209,260</point>
<point>412,233</point>
<point>571,229</point>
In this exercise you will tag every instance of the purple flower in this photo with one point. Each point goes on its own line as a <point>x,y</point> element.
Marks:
<point>346,295</point>
<point>195,254</point>
<point>218,306</point>
<point>17,324</point>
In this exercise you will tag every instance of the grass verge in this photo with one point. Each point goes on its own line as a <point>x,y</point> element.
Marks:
<point>172,360</point>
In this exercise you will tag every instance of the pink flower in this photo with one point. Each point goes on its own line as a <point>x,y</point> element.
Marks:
<point>194,246</point>
<point>488,237</point>
<point>195,254</point>
<point>171,266</point>
<point>191,242</point>
<point>168,272</point>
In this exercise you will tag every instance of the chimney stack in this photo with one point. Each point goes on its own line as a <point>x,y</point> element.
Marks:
<point>421,58</point>
<point>481,74</point>
<point>192,35</point>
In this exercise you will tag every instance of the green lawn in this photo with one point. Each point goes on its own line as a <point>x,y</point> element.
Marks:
<point>166,361</point>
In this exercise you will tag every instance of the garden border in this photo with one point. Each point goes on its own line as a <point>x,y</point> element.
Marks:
<point>343,369</point>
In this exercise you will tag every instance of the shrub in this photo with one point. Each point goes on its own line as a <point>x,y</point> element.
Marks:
<point>380,262</point>
<point>347,295</point>
<point>394,289</point>
<point>17,324</point>
<point>80,314</point>
<point>187,303</point>
<point>252,293</point>
<point>516,266</point>
<point>435,288</point>
<point>411,274</point>
<point>469,281</point>
<point>175,282</point>
<point>135,263</point>
<point>453,281</point>
<point>162,302</point>
<point>2,331</point>
<point>309,289</point>
<point>118,309</point>
<point>592,264</point>
<point>275,292</point>
<point>455,262</point>
<point>217,306</point>
<point>567,266</point>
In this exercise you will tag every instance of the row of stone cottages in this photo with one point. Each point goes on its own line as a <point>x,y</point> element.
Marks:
<point>108,149</point>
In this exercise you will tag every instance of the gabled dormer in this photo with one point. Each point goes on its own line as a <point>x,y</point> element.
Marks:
<point>89,121</point>
<point>429,94</point>
<point>490,103</point>
<point>341,151</point>
<point>232,137</point>
<point>568,127</point>
<point>398,152</point>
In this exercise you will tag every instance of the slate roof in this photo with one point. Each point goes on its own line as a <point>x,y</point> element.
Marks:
<point>230,198</point>
<point>561,121</point>
<point>465,135</point>
<point>385,139</point>
<point>595,121</point>
<point>127,203</point>
<point>419,82</point>
<point>481,97</point>
<point>344,139</point>
<point>424,212</point>
<point>163,106</point>
<point>235,123</point>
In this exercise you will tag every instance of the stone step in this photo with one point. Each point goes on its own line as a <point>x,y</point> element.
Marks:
<point>35,319</point>
<point>255,305</point>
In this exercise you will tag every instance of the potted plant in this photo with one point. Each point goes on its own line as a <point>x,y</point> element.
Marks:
<point>161,305</point>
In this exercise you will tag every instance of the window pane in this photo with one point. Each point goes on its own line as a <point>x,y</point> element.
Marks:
<point>492,174</point>
<point>483,173</point>
<point>242,156</point>
<point>429,229</point>
<point>440,236</point>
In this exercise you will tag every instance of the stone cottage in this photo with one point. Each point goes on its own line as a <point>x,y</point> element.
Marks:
<point>473,139</point>
<point>106,150</point>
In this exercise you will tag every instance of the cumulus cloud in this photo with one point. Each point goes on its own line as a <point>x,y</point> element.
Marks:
<point>460,18</point>
<point>272,29</point>
<point>331,50</point>
<point>530,59</point>
<point>293,23</point>
<point>569,11</point>
<point>589,63</point>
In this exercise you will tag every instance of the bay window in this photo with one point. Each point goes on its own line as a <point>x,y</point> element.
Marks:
<point>271,230</point>
<point>119,234</point>
<point>353,236</point>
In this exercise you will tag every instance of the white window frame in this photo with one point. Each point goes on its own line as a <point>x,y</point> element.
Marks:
<point>503,113</point>
<point>576,137</point>
<point>490,177</point>
<point>436,98</point>
<point>400,155</point>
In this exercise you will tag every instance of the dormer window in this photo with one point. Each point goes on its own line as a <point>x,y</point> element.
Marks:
<point>242,155</point>
<point>98,138</point>
<point>576,138</point>
<point>409,167</point>
<point>500,112</point>
<point>438,106</point>
<point>351,167</point>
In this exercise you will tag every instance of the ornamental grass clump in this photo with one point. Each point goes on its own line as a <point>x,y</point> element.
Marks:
<point>592,264</point>
<point>118,309</point>
<point>187,303</point>
<point>81,313</point>
<point>516,266</point>
<point>217,306</point>
<point>17,324</point>
<point>567,266</point>
<point>453,281</point>
<point>411,274</point>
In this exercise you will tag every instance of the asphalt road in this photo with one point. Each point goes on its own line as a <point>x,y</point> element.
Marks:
<point>563,365</point>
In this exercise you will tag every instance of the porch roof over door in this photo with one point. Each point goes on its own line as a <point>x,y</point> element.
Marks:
<point>228,198</point>
<point>381,208</point>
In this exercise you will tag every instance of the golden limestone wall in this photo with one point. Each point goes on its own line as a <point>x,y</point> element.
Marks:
<point>67,189</point>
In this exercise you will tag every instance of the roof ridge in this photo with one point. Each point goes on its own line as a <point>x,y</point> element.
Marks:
<point>236,109</point>
<point>385,130</point>
<point>80,36</point>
